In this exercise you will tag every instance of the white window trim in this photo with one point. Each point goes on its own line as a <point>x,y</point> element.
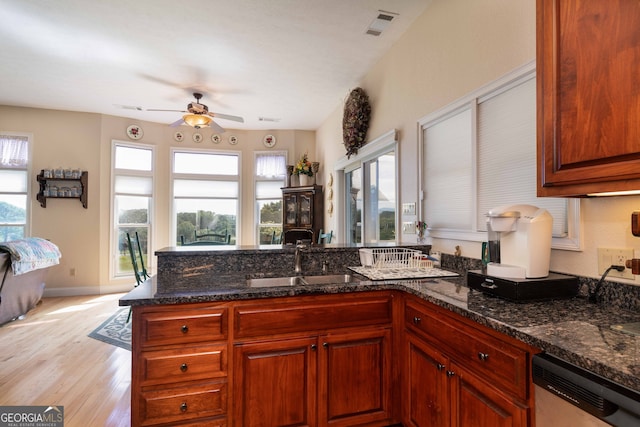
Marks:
<point>113,240</point>
<point>29,136</point>
<point>173,236</point>
<point>256,214</point>
<point>573,240</point>
<point>371,150</point>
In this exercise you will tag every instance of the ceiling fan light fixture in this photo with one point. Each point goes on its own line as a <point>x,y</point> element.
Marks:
<point>197,120</point>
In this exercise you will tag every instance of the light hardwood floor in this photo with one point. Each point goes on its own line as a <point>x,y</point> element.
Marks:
<point>48,359</point>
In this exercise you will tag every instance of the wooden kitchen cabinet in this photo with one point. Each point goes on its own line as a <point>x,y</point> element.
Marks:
<point>179,365</point>
<point>588,96</point>
<point>458,375</point>
<point>302,213</point>
<point>315,361</point>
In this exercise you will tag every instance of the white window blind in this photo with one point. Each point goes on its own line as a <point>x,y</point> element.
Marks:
<point>507,155</point>
<point>448,168</point>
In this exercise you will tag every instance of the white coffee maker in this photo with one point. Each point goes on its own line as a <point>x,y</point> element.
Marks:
<point>519,242</point>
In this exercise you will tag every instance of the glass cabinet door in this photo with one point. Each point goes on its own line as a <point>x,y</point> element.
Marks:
<point>305,210</point>
<point>291,209</point>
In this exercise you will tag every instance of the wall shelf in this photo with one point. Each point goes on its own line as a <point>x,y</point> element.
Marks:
<point>60,183</point>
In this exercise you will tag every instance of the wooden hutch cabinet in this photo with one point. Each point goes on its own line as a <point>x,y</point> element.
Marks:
<point>302,213</point>
<point>588,96</point>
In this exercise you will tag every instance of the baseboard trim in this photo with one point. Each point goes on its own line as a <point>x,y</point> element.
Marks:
<point>86,290</point>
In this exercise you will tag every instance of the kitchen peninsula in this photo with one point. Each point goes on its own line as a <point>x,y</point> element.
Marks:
<point>201,335</point>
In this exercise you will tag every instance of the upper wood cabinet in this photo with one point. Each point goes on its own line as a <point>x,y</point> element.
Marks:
<point>588,96</point>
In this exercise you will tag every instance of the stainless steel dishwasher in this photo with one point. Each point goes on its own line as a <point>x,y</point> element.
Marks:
<point>601,402</point>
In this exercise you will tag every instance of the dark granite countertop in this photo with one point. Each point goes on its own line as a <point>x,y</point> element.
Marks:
<point>572,329</point>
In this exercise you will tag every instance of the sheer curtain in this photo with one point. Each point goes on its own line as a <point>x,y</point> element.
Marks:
<point>14,151</point>
<point>271,165</point>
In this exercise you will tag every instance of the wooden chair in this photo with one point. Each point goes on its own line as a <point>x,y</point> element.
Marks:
<point>140,273</point>
<point>276,238</point>
<point>325,237</point>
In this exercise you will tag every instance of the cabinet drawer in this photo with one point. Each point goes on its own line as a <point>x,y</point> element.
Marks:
<point>188,364</point>
<point>299,316</point>
<point>182,404</point>
<point>497,361</point>
<point>164,327</point>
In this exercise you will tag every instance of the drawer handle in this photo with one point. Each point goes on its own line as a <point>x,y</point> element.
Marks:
<point>183,407</point>
<point>416,320</point>
<point>440,366</point>
<point>184,329</point>
<point>314,347</point>
<point>450,373</point>
<point>184,367</point>
<point>483,356</point>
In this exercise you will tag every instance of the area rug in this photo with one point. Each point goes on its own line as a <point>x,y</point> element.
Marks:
<point>115,330</point>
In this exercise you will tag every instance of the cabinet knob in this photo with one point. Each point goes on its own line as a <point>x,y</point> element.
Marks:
<point>183,407</point>
<point>483,356</point>
<point>184,329</point>
<point>314,347</point>
<point>440,366</point>
<point>450,373</point>
<point>184,367</point>
<point>416,320</point>
<point>325,344</point>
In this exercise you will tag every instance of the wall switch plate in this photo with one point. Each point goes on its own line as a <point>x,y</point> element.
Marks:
<point>612,256</point>
<point>409,227</point>
<point>408,209</point>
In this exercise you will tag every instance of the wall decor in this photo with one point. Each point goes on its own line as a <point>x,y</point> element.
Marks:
<point>269,141</point>
<point>215,138</point>
<point>197,137</point>
<point>355,121</point>
<point>233,140</point>
<point>178,136</point>
<point>135,132</point>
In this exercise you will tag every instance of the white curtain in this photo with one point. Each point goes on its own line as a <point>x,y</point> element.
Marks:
<point>271,165</point>
<point>14,151</point>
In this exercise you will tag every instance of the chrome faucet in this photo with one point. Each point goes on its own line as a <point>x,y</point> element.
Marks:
<point>300,247</point>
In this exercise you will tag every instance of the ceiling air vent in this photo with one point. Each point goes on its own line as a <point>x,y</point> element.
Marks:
<point>381,22</point>
<point>268,119</point>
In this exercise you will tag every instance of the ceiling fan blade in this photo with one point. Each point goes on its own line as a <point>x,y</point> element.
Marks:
<point>172,111</point>
<point>216,127</point>
<point>227,117</point>
<point>176,123</point>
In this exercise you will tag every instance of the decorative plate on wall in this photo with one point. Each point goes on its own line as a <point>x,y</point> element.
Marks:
<point>269,141</point>
<point>233,140</point>
<point>197,137</point>
<point>215,138</point>
<point>178,136</point>
<point>135,132</point>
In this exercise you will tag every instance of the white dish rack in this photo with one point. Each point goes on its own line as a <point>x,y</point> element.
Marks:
<point>382,258</point>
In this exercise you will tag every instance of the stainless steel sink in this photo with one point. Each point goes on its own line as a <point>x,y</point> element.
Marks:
<point>265,282</point>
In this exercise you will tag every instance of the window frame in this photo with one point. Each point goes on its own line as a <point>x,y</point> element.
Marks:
<point>366,154</point>
<point>203,177</point>
<point>28,170</point>
<point>256,178</point>
<point>572,241</point>
<point>114,227</point>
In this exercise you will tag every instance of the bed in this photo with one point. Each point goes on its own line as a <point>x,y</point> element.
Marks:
<point>23,267</point>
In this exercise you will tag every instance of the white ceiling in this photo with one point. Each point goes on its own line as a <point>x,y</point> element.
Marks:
<point>294,60</point>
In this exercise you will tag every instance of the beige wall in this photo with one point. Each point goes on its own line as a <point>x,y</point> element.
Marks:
<point>455,47</point>
<point>83,140</point>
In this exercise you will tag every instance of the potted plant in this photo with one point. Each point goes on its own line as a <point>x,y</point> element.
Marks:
<point>304,170</point>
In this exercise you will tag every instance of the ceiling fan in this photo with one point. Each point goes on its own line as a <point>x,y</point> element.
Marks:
<point>198,116</point>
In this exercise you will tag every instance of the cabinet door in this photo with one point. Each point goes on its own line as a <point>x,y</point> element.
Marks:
<point>275,383</point>
<point>426,386</point>
<point>476,403</point>
<point>354,378</point>
<point>291,209</point>
<point>588,96</point>
<point>305,214</point>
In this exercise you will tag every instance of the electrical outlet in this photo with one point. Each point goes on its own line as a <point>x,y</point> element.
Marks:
<point>611,256</point>
<point>409,227</point>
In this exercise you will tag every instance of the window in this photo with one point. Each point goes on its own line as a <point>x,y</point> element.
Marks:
<point>14,186</point>
<point>206,190</point>
<point>370,192</point>
<point>270,172</point>
<point>480,153</point>
<point>132,203</point>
